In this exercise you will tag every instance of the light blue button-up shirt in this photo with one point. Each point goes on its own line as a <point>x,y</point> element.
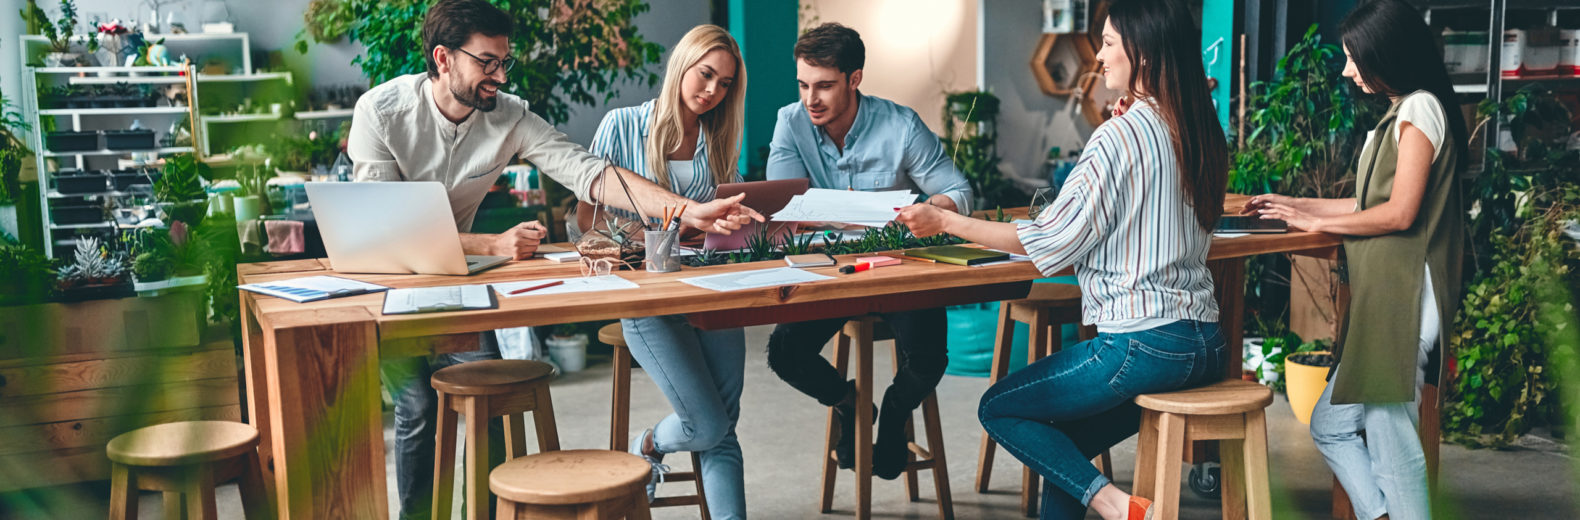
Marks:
<point>888,148</point>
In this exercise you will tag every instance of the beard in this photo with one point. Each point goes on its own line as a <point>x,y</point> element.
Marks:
<point>473,97</point>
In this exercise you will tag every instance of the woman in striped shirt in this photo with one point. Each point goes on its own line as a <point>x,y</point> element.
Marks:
<point>688,140</point>
<point>1134,219</point>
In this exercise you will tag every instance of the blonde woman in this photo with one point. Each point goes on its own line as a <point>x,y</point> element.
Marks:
<point>687,140</point>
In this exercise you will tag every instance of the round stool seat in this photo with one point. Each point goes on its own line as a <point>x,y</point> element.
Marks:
<point>1048,294</point>
<point>1223,397</point>
<point>612,334</point>
<point>569,477</point>
<point>182,443</point>
<point>490,377</point>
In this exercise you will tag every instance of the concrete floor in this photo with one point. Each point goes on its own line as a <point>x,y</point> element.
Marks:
<point>781,432</point>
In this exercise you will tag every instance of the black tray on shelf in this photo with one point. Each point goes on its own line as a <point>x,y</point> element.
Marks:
<point>66,213</point>
<point>79,181</point>
<point>129,139</point>
<point>123,180</point>
<point>71,141</point>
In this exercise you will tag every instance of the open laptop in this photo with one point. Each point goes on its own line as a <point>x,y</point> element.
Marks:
<point>767,198</point>
<point>391,228</point>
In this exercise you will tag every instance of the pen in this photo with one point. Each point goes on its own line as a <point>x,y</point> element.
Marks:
<point>534,288</point>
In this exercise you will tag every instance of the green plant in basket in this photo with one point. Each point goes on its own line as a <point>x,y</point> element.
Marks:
<point>760,245</point>
<point>796,244</point>
<point>834,243</point>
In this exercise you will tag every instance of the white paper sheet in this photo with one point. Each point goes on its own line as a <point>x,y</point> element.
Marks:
<point>571,285</point>
<point>866,208</point>
<point>560,258</point>
<point>754,279</point>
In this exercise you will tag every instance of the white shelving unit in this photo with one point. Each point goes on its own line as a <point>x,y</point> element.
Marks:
<point>343,113</point>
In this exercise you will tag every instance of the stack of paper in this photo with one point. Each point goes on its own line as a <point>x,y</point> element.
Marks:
<point>863,208</point>
<point>438,299</point>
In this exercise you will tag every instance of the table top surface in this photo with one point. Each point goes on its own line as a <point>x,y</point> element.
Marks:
<point>662,293</point>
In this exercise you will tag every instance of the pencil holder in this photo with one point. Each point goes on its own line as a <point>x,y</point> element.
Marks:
<point>661,251</point>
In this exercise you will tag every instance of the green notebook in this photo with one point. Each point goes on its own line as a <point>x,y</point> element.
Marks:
<point>958,255</point>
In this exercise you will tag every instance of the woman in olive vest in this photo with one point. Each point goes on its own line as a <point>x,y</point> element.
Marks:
<point>1404,248</point>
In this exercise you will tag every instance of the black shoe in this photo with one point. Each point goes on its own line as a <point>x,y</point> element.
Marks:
<point>845,447</point>
<point>890,457</point>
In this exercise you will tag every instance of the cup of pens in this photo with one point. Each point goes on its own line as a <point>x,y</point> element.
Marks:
<point>661,250</point>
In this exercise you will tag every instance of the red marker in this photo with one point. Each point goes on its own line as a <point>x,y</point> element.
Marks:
<point>855,268</point>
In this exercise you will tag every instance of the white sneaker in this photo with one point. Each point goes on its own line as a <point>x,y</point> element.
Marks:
<point>659,469</point>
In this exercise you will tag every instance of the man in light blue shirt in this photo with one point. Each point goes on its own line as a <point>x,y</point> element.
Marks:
<point>842,139</point>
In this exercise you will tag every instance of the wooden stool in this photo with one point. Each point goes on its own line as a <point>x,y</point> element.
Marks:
<point>185,460</point>
<point>482,390</point>
<point>1230,412</point>
<point>860,332</point>
<point>620,423</point>
<point>572,484</point>
<point>1045,309</point>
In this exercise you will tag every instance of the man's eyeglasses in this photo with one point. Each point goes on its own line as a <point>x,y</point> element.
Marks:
<point>492,64</point>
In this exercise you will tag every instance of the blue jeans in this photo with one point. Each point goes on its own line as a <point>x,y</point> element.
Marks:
<point>1058,413</point>
<point>701,372</point>
<point>416,418</point>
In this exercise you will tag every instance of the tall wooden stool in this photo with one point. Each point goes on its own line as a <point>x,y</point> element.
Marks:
<point>185,460</point>
<point>620,423</point>
<point>572,484</point>
<point>1045,310</point>
<point>860,332</point>
<point>1230,412</point>
<point>482,390</point>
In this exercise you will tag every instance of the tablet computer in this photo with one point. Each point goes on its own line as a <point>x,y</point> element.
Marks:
<point>1250,224</point>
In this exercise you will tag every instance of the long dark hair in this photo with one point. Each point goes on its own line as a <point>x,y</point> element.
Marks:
<point>1161,39</point>
<point>1395,53</point>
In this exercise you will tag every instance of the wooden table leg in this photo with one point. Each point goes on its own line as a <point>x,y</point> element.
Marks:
<point>256,373</point>
<point>860,332</point>
<point>1229,280</point>
<point>328,442</point>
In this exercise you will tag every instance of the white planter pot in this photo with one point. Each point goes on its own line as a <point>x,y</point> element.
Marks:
<point>8,221</point>
<point>1253,360</point>
<point>570,353</point>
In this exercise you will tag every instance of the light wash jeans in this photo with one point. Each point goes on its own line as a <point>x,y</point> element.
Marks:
<point>701,372</point>
<point>1058,413</point>
<point>1384,473</point>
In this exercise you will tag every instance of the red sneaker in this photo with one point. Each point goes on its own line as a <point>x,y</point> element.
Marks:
<point>1140,508</point>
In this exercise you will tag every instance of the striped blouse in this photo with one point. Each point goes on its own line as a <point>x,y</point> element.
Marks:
<point>622,138</point>
<point>1123,221</point>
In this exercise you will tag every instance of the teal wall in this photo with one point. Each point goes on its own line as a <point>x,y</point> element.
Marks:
<point>766,32</point>
<point>1217,21</point>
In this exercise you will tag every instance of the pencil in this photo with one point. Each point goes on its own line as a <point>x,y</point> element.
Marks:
<point>534,288</point>
<point>681,213</point>
<point>916,258</point>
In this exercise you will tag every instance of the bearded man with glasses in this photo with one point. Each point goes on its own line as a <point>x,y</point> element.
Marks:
<point>452,125</point>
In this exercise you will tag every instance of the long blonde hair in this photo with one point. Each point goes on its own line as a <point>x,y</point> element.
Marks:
<point>722,126</point>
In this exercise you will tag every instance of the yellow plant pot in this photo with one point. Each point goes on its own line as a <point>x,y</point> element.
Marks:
<point>1304,384</point>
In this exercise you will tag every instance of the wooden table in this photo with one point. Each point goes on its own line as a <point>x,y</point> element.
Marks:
<point>313,369</point>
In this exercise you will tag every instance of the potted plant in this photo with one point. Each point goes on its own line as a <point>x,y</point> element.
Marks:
<point>179,188</point>
<point>58,33</point>
<point>163,259</point>
<point>568,347</point>
<point>25,273</point>
<point>1306,376</point>
<point>94,271</point>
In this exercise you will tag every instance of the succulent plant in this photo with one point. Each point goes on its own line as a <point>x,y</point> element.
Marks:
<point>91,263</point>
